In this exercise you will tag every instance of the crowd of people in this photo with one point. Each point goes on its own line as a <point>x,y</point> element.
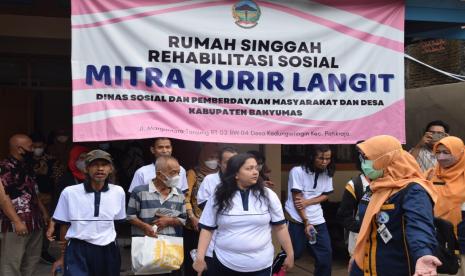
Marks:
<point>224,208</point>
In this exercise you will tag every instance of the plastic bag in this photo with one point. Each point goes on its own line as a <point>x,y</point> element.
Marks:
<point>156,255</point>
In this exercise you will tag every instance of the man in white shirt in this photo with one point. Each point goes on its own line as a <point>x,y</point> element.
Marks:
<point>161,146</point>
<point>87,212</point>
<point>209,183</point>
<point>207,190</point>
<point>308,186</point>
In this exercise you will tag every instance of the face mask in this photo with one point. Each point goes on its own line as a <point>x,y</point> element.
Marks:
<point>104,146</point>
<point>211,164</point>
<point>445,160</point>
<point>369,171</point>
<point>259,167</point>
<point>81,165</point>
<point>173,181</point>
<point>38,151</point>
<point>28,156</point>
<point>62,139</point>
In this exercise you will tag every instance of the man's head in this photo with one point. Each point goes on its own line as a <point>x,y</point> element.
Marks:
<point>98,165</point>
<point>436,130</point>
<point>319,158</point>
<point>168,170</point>
<point>161,147</point>
<point>20,146</point>
<point>225,154</point>
<point>38,144</point>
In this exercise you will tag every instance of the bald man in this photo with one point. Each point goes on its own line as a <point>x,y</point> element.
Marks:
<point>21,253</point>
<point>158,203</point>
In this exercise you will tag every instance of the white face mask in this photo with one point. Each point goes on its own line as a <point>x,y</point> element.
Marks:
<point>211,164</point>
<point>173,181</point>
<point>38,151</point>
<point>81,165</point>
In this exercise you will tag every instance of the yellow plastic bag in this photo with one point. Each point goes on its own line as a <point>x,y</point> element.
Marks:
<point>156,255</point>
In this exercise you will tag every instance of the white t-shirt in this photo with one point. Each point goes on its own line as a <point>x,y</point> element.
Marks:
<point>305,182</point>
<point>91,221</point>
<point>207,187</point>
<point>243,235</point>
<point>145,174</point>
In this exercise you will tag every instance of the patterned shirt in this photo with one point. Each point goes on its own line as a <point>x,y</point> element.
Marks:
<point>146,202</point>
<point>20,185</point>
<point>426,159</point>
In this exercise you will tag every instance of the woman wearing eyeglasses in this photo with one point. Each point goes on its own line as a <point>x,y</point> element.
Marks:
<point>397,232</point>
<point>448,176</point>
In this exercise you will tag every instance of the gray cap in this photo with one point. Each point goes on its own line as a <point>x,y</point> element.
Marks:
<point>98,154</point>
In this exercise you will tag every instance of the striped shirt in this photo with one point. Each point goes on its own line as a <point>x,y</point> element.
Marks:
<point>146,202</point>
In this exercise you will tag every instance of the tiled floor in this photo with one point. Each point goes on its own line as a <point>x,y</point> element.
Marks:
<point>303,267</point>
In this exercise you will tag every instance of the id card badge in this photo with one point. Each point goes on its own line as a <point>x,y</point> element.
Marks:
<point>384,233</point>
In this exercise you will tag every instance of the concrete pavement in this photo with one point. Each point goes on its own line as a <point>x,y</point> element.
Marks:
<point>303,266</point>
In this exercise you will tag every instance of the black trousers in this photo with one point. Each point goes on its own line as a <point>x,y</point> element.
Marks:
<point>86,259</point>
<point>218,268</point>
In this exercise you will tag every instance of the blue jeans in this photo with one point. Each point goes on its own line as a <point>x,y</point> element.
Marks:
<point>321,250</point>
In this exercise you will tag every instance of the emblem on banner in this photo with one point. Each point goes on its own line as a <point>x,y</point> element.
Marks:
<point>246,13</point>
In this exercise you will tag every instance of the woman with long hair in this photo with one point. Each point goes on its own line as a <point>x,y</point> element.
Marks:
<point>243,213</point>
<point>397,232</point>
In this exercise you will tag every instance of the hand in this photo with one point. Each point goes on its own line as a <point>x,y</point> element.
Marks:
<point>50,231</point>
<point>351,263</point>
<point>148,231</point>
<point>426,139</point>
<point>288,263</point>
<point>200,266</point>
<point>60,262</point>
<point>308,226</point>
<point>426,266</point>
<point>268,183</point>
<point>195,222</point>
<point>163,221</point>
<point>41,168</point>
<point>20,228</point>
<point>300,203</point>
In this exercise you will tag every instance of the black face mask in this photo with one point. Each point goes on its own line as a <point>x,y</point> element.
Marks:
<point>28,156</point>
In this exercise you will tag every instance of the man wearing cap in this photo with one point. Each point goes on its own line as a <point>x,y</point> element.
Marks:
<point>87,212</point>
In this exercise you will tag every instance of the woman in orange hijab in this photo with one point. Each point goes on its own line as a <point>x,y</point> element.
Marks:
<point>448,176</point>
<point>397,232</point>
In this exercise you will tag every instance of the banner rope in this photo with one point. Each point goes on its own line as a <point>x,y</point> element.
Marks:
<point>451,75</point>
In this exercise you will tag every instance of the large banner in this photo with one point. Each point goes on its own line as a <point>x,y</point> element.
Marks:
<point>290,72</point>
